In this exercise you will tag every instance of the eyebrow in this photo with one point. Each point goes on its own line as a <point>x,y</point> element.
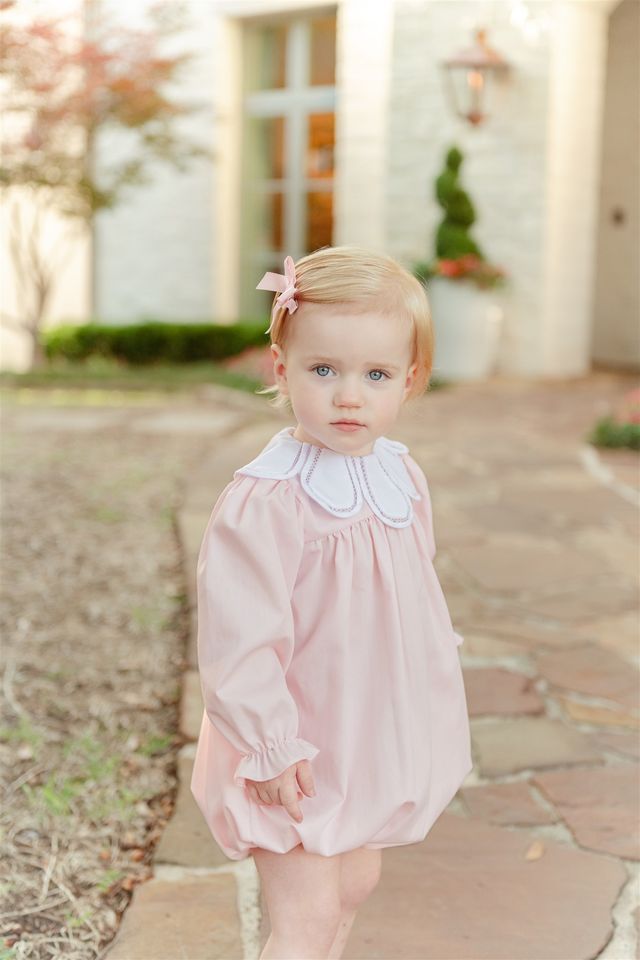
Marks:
<point>316,359</point>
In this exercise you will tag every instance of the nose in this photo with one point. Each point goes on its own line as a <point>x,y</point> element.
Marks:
<point>348,395</point>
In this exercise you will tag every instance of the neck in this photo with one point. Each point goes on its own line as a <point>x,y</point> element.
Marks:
<point>300,434</point>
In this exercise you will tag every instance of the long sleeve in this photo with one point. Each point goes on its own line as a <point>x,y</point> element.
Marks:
<point>424,512</point>
<point>247,567</point>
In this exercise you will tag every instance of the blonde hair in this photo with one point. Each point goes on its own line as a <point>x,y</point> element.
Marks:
<point>353,275</point>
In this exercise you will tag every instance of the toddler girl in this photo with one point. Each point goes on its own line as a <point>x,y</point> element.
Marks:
<point>335,719</point>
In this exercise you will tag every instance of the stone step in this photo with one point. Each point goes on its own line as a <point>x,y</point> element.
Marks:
<point>191,705</point>
<point>186,840</point>
<point>181,915</point>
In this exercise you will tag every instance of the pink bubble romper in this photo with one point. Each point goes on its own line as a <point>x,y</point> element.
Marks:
<point>323,633</point>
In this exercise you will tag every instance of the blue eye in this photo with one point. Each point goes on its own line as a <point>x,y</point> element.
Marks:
<point>324,366</point>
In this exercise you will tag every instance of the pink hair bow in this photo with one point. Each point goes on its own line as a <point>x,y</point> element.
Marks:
<point>286,283</point>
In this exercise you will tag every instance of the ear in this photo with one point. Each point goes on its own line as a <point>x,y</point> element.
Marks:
<point>279,367</point>
<point>410,378</point>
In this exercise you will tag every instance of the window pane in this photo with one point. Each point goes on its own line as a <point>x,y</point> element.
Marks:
<point>319,220</point>
<point>265,57</point>
<point>268,224</point>
<point>320,146</point>
<point>323,51</point>
<point>265,148</point>
<point>276,206</point>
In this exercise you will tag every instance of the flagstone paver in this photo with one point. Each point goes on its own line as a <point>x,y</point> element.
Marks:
<point>78,420</point>
<point>186,840</point>
<point>547,563</point>
<point>493,691</point>
<point>618,633</point>
<point>593,671</point>
<point>599,716</point>
<point>191,527</point>
<point>192,524</point>
<point>510,745</point>
<point>617,547</point>
<point>486,645</point>
<point>506,803</point>
<point>469,891</point>
<point>600,806</point>
<point>536,560</point>
<point>191,705</point>
<point>188,421</point>
<point>193,917</point>
<point>191,652</point>
<point>569,507</point>
<point>605,597</point>
<point>527,631</point>
<point>620,742</point>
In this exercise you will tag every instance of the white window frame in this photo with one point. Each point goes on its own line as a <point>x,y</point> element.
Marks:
<point>295,102</point>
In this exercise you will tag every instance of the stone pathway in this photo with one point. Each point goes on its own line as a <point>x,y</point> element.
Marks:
<point>537,535</point>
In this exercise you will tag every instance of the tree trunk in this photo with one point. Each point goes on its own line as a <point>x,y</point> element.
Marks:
<point>38,355</point>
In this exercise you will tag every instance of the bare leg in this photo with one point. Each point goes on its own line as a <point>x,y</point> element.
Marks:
<point>359,874</point>
<point>302,893</point>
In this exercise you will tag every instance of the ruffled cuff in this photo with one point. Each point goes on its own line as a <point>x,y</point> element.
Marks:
<point>459,638</point>
<point>269,762</point>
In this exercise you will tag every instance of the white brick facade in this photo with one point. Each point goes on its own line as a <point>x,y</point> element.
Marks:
<point>153,254</point>
<point>532,171</point>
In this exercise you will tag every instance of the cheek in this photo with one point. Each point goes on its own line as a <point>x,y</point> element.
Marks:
<point>312,385</point>
<point>389,401</point>
<point>387,393</point>
<point>307,392</point>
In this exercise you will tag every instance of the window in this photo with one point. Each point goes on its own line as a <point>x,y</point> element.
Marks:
<point>287,146</point>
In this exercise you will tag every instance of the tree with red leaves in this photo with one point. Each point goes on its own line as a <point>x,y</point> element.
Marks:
<point>65,80</point>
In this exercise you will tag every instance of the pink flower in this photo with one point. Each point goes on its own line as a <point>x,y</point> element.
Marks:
<point>628,410</point>
<point>449,268</point>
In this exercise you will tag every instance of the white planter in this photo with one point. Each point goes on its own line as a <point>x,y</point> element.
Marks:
<point>467,326</point>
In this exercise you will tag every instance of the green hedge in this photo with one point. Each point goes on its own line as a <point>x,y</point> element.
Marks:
<point>153,341</point>
<point>609,433</point>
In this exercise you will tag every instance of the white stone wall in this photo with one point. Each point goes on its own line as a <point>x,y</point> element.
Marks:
<point>504,166</point>
<point>546,123</point>
<point>154,252</point>
<point>573,172</point>
<point>364,76</point>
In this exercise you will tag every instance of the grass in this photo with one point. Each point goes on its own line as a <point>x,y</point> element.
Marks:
<point>23,732</point>
<point>154,745</point>
<point>56,795</point>
<point>102,373</point>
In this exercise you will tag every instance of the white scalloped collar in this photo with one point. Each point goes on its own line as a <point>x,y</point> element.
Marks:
<point>340,482</point>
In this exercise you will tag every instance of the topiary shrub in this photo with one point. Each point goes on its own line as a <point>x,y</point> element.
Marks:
<point>458,256</point>
<point>452,236</point>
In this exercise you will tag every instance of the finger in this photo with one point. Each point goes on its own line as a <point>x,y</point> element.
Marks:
<point>263,793</point>
<point>253,793</point>
<point>305,778</point>
<point>289,801</point>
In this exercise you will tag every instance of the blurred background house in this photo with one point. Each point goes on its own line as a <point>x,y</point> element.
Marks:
<point>329,123</point>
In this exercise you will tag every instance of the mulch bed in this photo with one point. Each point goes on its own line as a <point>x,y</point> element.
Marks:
<point>94,626</point>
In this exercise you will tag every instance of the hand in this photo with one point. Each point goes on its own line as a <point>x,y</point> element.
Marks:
<point>285,788</point>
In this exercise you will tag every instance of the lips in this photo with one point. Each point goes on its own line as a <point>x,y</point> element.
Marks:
<point>355,422</point>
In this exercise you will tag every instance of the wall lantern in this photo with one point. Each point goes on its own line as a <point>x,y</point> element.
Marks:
<point>467,76</point>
